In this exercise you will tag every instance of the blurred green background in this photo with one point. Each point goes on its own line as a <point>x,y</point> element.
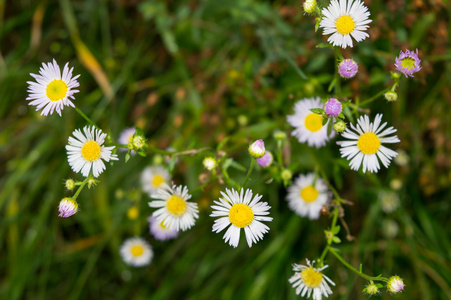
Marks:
<point>191,73</point>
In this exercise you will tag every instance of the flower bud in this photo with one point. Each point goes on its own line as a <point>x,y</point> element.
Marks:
<point>371,289</point>
<point>340,126</point>
<point>279,135</point>
<point>286,175</point>
<point>70,184</point>
<point>257,149</point>
<point>348,68</point>
<point>395,284</point>
<point>67,207</point>
<point>139,142</point>
<point>391,96</point>
<point>309,6</point>
<point>209,163</point>
<point>266,160</point>
<point>333,107</point>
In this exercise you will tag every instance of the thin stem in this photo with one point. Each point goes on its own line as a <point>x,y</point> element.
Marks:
<point>338,56</point>
<point>80,188</point>
<point>374,97</point>
<point>86,118</point>
<point>321,259</point>
<point>201,188</point>
<point>367,277</point>
<point>249,172</point>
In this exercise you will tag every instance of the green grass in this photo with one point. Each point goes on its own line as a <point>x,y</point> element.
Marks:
<point>191,73</point>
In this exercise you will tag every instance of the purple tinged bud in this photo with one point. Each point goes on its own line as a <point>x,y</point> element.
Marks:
<point>257,149</point>
<point>333,107</point>
<point>348,68</point>
<point>67,207</point>
<point>266,160</point>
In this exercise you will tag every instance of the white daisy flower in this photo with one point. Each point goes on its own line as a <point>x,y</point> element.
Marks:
<point>153,178</point>
<point>86,151</point>
<point>52,91</point>
<point>174,211</point>
<point>241,211</point>
<point>306,197</point>
<point>345,19</point>
<point>161,232</point>
<point>126,137</point>
<point>136,252</point>
<point>307,279</point>
<point>366,144</point>
<point>309,126</point>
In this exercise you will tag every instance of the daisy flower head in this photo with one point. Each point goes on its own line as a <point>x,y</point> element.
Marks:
<point>52,90</point>
<point>408,63</point>
<point>126,137</point>
<point>306,196</point>
<point>159,231</point>
<point>241,210</point>
<point>307,280</point>
<point>308,125</point>
<point>136,252</point>
<point>343,19</point>
<point>86,151</point>
<point>174,210</point>
<point>154,177</point>
<point>365,145</point>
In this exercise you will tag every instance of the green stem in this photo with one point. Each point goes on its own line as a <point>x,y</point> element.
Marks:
<point>338,56</point>
<point>321,259</point>
<point>80,188</point>
<point>367,277</point>
<point>156,150</point>
<point>249,172</point>
<point>374,97</point>
<point>86,118</point>
<point>201,188</point>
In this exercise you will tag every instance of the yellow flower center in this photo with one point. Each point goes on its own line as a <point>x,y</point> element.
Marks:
<point>56,90</point>
<point>311,278</point>
<point>408,63</point>
<point>91,151</point>
<point>157,180</point>
<point>313,122</point>
<point>309,193</point>
<point>133,213</point>
<point>368,143</point>
<point>345,24</point>
<point>176,206</point>
<point>137,250</point>
<point>241,215</point>
<point>130,139</point>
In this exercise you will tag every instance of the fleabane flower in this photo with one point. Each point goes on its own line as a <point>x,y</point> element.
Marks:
<point>52,90</point>
<point>347,68</point>
<point>136,252</point>
<point>408,63</point>
<point>67,207</point>
<point>266,160</point>
<point>308,125</point>
<point>395,284</point>
<point>365,145</point>
<point>345,19</point>
<point>307,280</point>
<point>174,210</point>
<point>86,151</point>
<point>257,149</point>
<point>333,107</point>
<point>126,137</point>
<point>241,210</point>
<point>159,231</point>
<point>153,178</point>
<point>306,196</point>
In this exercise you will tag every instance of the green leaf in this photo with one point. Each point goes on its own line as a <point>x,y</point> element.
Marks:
<point>329,128</point>
<point>127,156</point>
<point>318,111</point>
<point>336,240</point>
<point>332,84</point>
<point>324,45</point>
<point>336,229</point>
<point>222,143</point>
<point>142,153</point>
<point>138,132</point>
<point>237,166</point>
<point>341,116</point>
<point>325,121</point>
<point>171,164</point>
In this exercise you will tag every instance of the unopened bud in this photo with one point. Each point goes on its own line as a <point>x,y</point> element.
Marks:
<point>340,126</point>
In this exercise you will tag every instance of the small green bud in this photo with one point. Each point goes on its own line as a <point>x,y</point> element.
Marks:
<point>340,126</point>
<point>391,96</point>
<point>70,184</point>
<point>371,289</point>
<point>139,142</point>
<point>286,175</point>
<point>309,6</point>
<point>280,135</point>
<point>209,163</point>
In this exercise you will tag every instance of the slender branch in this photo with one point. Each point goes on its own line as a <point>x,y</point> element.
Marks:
<point>374,97</point>
<point>367,277</point>
<point>249,172</point>
<point>86,118</point>
<point>80,188</point>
